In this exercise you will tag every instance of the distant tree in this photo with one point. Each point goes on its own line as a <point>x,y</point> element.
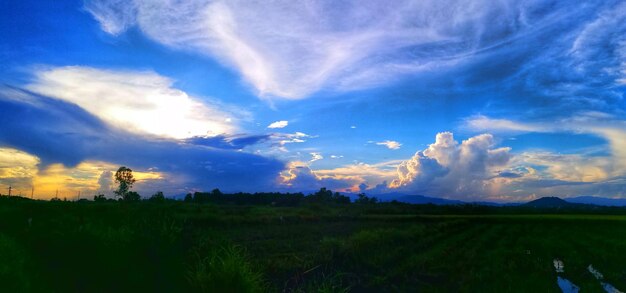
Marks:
<point>364,199</point>
<point>158,197</point>
<point>124,177</point>
<point>188,197</point>
<point>132,196</point>
<point>326,196</point>
<point>99,198</point>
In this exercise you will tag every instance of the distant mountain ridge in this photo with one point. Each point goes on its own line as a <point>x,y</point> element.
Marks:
<point>601,201</point>
<point>544,202</point>
<point>421,199</point>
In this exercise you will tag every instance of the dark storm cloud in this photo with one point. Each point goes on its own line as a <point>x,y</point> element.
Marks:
<point>59,132</point>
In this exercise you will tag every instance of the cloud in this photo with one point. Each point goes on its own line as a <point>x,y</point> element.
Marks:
<point>60,132</point>
<point>114,16</point>
<point>550,173</point>
<point>278,124</point>
<point>482,123</point>
<point>315,157</point>
<point>292,49</point>
<point>567,167</point>
<point>105,182</point>
<point>350,178</point>
<point>390,144</point>
<point>604,125</point>
<point>138,101</point>
<point>281,139</point>
<point>236,142</point>
<point>447,168</point>
<point>17,169</point>
<point>473,169</point>
<point>299,176</point>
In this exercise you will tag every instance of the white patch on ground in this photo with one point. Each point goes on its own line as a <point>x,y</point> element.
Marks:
<point>558,265</point>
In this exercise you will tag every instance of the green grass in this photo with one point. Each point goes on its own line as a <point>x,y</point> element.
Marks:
<point>181,247</point>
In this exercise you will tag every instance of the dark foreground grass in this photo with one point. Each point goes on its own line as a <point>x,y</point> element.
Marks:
<point>181,247</point>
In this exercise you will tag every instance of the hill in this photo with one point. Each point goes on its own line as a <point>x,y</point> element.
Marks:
<point>549,202</point>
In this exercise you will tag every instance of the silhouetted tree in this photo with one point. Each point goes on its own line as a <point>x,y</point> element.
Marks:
<point>124,177</point>
<point>132,196</point>
<point>188,197</point>
<point>364,199</point>
<point>99,198</point>
<point>158,197</point>
<point>326,196</point>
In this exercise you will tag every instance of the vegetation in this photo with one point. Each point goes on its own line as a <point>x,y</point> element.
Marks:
<point>215,242</point>
<point>124,177</point>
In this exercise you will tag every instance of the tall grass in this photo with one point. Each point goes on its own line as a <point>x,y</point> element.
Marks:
<point>225,269</point>
<point>13,271</point>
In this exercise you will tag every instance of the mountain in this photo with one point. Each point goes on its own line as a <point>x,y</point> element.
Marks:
<point>601,201</point>
<point>418,199</point>
<point>549,202</point>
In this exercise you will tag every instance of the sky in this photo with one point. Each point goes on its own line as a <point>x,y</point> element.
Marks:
<point>470,100</point>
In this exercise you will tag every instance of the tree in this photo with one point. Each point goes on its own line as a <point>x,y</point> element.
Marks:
<point>99,198</point>
<point>124,177</point>
<point>188,197</point>
<point>132,196</point>
<point>365,199</point>
<point>326,196</point>
<point>158,197</point>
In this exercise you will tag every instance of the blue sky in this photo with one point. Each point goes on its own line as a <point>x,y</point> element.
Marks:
<point>475,100</point>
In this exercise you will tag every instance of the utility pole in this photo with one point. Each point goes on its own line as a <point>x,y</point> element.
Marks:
<point>32,192</point>
<point>10,190</point>
<point>56,195</point>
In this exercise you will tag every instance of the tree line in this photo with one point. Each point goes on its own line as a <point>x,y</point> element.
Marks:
<point>125,180</point>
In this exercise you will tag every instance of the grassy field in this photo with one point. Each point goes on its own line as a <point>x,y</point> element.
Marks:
<point>178,247</point>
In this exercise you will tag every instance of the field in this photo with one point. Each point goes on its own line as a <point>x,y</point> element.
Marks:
<point>180,247</point>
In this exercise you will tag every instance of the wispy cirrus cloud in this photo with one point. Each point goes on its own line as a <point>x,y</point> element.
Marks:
<point>291,49</point>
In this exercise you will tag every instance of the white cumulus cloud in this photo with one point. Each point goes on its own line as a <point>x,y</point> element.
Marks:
<point>449,168</point>
<point>278,124</point>
<point>390,144</point>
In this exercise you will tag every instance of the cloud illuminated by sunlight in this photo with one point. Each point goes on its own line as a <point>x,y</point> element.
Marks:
<point>139,101</point>
<point>20,171</point>
<point>390,144</point>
